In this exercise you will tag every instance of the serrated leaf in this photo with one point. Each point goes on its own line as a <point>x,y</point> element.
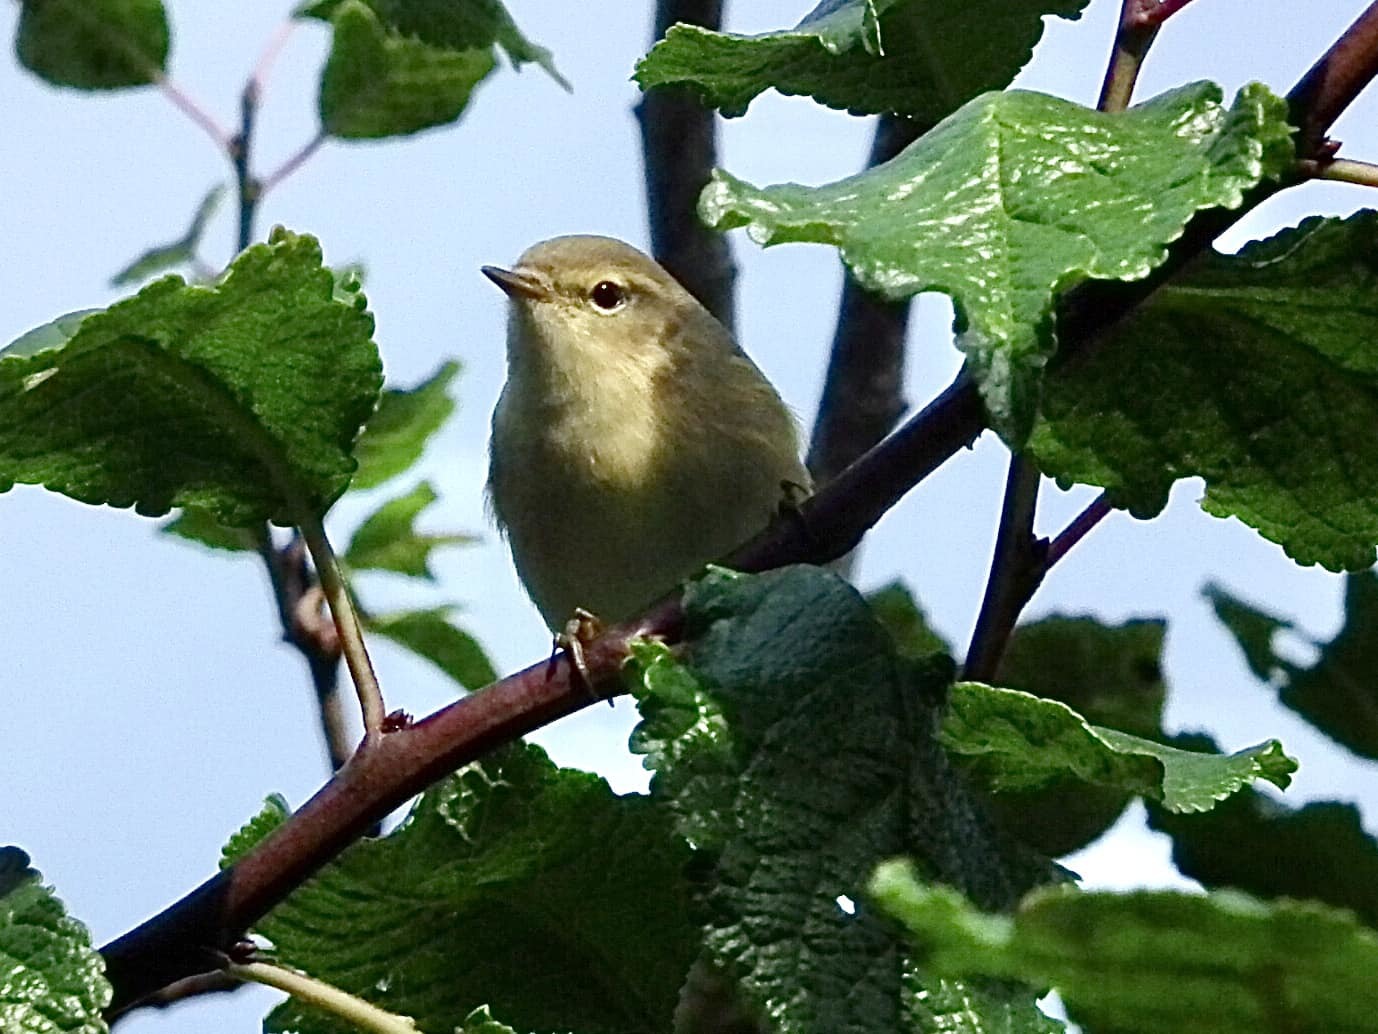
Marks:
<point>531,889</point>
<point>1254,371</point>
<point>93,44</point>
<point>432,635</point>
<point>387,540</point>
<point>1014,199</point>
<point>1110,674</point>
<point>1154,961</point>
<point>1016,741</point>
<point>243,398</point>
<point>1255,844</point>
<point>868,56</point>
<point>51,980</point>
<point>273,814</point>
<point>175,253</point>
<point>1338,694</point>
<point>53,334</point>
<point>463,25</point>
<point>379,83</point>
<point>396,435</point>
<point>795,750</point>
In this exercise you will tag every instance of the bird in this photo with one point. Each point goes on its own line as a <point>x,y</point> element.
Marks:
<point>633,441</point>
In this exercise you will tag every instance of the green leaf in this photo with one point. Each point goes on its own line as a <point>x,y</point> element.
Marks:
<point>388,539</point>
<point>272,815</point>
<point>397,433</point>
<point>200,526</point>
<point>53,334</point>
<point>379,83</point>
<point>1338,694</point>
<point>451,24</point>
<point>1252,628</point>
<point>1256,372</point>
<point>51,980</point>
<point>175,253</point>
<point>1110,674</point>
<point>1014,199</point>
<point>431,634</point>
<point>1155,961</point>
<point>868,56</point>
<point>513,884</point>
<point>795,751</point>
<point>1258,845</point>
<point>93,44</point>
<point>896,608</point>
<point>1016,741</point>
<point>242,398</point>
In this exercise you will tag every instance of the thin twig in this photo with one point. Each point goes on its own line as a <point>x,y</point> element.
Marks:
<point>292,164</point>
<point>187,936</point>
<point>1343,170</point>
<point>353,1010</point>
<point>1016,568</point>
<point>1081,525</point>
<point>347,624</point>
<point>195,112</point>
<point>241,149</point>
<point>679,148</point>
<point>1139,23</point>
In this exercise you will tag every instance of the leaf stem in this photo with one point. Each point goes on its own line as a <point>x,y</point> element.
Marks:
<point>1343,170</point>
<point>259,75</point>
<point>1139,23</point>
<point>1016,569</point>
<point>194,111</point>
<point>293,163</point>
<point>347,624</point>
<point>1078,529</point>
<point>327,997</point>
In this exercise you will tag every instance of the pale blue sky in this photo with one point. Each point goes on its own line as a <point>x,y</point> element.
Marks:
<point>151,705</point>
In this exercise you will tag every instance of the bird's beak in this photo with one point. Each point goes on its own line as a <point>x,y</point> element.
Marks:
<point>517,283</point>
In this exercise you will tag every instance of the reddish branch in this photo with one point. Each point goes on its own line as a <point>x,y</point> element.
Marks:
<point>679,145</point>
<point>185,938</point>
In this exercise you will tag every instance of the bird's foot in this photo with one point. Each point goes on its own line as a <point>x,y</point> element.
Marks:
<point>579,631</point>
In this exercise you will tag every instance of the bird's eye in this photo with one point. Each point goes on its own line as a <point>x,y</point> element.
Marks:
<point>608,296</point>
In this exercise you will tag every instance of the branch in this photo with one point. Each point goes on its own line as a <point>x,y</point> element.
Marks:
<point>353,1010</point>
<point>679,145</point>
<point>188,936</point>
<point>1017,566</point>
<point>863,396</point>
<point>1334,81</point>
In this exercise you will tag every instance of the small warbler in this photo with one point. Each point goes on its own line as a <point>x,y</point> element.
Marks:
<point>634,442</point>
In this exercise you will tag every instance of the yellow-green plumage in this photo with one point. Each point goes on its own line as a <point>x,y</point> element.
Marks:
<point>631,444</point>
